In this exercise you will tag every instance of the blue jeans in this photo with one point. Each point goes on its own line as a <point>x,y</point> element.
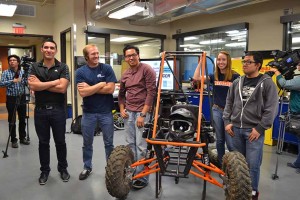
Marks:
<point>88,125</point>
<point>135,140</point>
<point>253,152</point>
<point>56,120</point>
<point>297,162</point>
<point>221,135</point>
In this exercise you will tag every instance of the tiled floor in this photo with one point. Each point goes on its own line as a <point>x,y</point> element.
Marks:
<point>20,171</point>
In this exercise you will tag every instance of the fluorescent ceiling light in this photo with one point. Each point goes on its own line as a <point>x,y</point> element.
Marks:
<point>241,40</point>
<point>190,38</point>
<point>190,45</point>
<point>232,32</point>
<point>295,39</point>
<point>236,44</point>
<point>238,37</point>
<point>296,26</point>
<point>129,10</point>
<point>212,41</point>
<point>196,49</point>
<point>238,34</point>
<point>122,39</point>
<point>144,45</point>
<point>7,10</point>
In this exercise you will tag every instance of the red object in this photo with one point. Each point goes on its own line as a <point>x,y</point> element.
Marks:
<point>19,30</point>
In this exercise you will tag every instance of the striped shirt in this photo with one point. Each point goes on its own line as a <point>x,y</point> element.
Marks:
<point>12,89</point>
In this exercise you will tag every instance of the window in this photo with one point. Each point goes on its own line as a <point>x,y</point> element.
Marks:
<point>233,41</point>
<point>295,35</point>
<point>291,31</point>
<point>111,42</point>
<point>231,38</point>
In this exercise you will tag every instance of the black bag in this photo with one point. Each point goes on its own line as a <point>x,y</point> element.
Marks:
<point>76,125</point>
<point>293,124</point>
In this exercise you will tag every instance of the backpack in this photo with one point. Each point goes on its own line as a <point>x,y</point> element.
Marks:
<point>76,125</point>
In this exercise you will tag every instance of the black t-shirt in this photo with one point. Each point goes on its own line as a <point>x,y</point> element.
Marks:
<point>249,86</point>
<point>59,70</point>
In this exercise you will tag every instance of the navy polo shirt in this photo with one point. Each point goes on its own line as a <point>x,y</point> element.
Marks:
<point>96,103</point>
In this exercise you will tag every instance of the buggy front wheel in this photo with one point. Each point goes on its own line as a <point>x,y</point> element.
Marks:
<point>237,177</point>
<point>118,176</point>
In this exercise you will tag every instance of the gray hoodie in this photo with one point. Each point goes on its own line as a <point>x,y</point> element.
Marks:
<point>258,112</point>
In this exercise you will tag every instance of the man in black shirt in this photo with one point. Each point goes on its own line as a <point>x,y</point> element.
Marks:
<point>49,80</point>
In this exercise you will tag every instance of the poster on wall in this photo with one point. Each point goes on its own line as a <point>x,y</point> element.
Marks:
<point>167,77</point>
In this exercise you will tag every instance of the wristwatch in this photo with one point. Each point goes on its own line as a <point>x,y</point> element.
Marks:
<point>142,115</point>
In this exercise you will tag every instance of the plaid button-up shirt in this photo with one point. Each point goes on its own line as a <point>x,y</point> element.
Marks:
<point>12,89</point>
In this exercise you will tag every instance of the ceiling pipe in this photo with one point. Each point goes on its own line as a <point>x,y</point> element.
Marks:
<point>165,13</point>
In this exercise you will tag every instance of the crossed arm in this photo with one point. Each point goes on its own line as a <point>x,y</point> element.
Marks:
<point>58,85</point>
<point>85,89</point>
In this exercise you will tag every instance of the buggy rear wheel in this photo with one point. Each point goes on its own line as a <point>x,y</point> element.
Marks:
<point>237,180</point>
<point>118,176</point>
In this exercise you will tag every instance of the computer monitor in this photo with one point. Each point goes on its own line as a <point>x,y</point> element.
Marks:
<point>168,78</point>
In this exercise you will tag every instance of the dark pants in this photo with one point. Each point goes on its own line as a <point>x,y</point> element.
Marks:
<point>13,105</point>
<point>44,119</point>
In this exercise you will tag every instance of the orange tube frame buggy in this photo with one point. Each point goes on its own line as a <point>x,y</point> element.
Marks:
<point>157,163</point>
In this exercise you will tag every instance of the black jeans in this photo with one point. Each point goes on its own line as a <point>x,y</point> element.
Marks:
<point>54,118</point>
<point>13,105</point>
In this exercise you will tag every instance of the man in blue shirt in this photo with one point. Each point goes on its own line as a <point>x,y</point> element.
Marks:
<point>96,84</point>
<point>15,99</point>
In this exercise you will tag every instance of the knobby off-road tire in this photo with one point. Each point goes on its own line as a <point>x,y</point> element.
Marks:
<point>213,156</point>
<point>118,176</point>
<point>238,184</point>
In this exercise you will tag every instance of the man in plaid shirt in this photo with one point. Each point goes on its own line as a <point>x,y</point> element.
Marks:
<point>15,99</point>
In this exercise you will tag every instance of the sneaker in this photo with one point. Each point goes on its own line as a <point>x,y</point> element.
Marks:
<point>292,165</point>
<point>14,145</point>
<point>255,197</point>
<point>84,174</point>
<point>43,178</point>
<point>64,175</point>
<point>24,141</point>
<point>139,184</point>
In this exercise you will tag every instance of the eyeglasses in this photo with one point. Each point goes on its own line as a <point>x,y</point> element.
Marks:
<point>12,60</point>
<point>132,55</point>
<point>247,62</point>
